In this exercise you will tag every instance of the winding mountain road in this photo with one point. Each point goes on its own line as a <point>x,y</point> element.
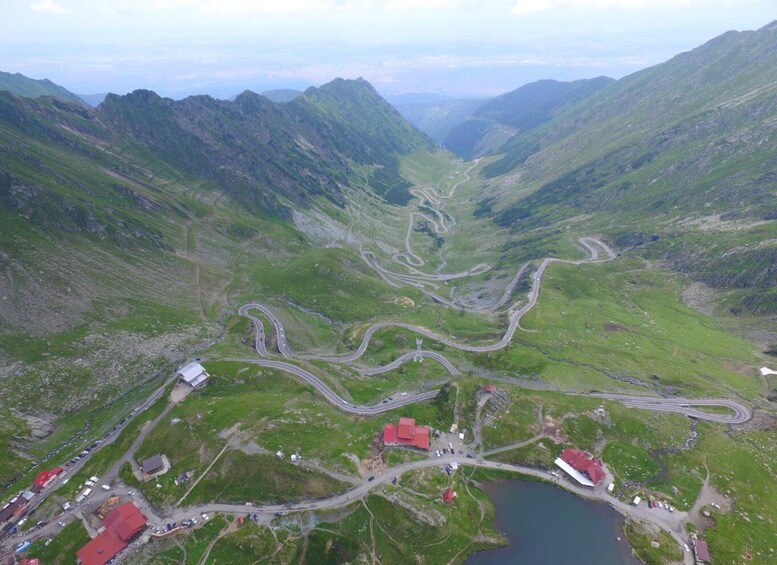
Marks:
<point>684,406</point>
<point>598,252</point>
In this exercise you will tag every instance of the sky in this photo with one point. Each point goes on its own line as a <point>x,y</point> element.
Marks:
<point>469,48</point>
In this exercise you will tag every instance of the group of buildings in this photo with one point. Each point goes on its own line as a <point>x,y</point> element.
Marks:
<point>18,505</point>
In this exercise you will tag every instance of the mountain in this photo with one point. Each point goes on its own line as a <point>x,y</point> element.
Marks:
<point>129,229</point>
<point>281,94</point>
<point>676,160</point>
<point>495,122</point>
<point>125,176</point>
<point>262,153</point>
<point>31,88</point>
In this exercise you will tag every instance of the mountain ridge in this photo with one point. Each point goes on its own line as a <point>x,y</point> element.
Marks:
<point>21,85</point>
<point>653,156</point>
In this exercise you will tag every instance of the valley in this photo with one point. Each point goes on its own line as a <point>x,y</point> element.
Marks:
<point>587,273</point>
<point>274,355</point>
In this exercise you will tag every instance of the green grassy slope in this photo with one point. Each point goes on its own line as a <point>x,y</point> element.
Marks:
<point>676,160</point>
<point>21,85</point>
<point>129,231</point>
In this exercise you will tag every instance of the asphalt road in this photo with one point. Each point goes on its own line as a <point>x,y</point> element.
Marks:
<point>740,413</point>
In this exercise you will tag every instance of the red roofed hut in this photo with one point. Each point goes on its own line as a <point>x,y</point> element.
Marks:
<point>448,496</point>
<point>406,433</point>
<point>44,478</point>
<point>584,463</point>
<point>122,524</point>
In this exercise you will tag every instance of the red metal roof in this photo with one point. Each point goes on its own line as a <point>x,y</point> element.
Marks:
<point>584,463</point>
<point>126,520</point>
<point>101,549</point>
<point>406,428</point>
<point>45,477</point>
<point>406,433</point>
<point>447,496</point>
<point>489,388</point>
<point>121,525</point>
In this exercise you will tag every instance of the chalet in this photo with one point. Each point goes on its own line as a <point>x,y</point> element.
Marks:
<point>581,466</point>
<point>407,434</point>
<point>44,478</point>
<point>194,375</point>
<point>122,525</point>
<point>153,465</point>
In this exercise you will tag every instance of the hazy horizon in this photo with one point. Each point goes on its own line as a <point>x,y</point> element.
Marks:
<point>453,47</point>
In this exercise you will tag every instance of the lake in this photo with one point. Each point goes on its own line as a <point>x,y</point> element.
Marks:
<point>546,525</point>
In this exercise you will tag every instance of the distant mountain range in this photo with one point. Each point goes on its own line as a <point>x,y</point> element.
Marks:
<point>475,127</point>
<point>31,88</point>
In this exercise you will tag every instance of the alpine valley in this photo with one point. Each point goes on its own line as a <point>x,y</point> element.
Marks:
<point>571,271</point>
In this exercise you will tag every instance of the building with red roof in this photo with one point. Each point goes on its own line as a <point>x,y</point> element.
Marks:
<point>406,433</point>
<point>448,496</point>
<point>582,466</point>
<point>122,524</point>
<point>489,388</point>
<point>44,478</point>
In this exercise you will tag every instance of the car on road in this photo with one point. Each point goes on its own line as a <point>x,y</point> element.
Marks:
<point>279,513</point>
<point>372,478</point>
<point>61,524</point>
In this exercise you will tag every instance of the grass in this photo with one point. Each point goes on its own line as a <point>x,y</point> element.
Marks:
<point>618,326</point>
<point>641,542</point>
<point>251,543</point>
<point>190,549</point>
<point>264,410</point>
<point>238,477</point>
<point>63,547</point>
<point>540,454</point>
<point>629,325</point>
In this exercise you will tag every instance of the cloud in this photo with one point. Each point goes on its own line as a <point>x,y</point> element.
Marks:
<point>49,7</point>
<point>530,6</point>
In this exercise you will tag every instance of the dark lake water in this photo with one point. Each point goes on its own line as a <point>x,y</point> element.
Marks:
<point>548,526</point>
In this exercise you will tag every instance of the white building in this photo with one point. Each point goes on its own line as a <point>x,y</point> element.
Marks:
<point>194,375</point>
